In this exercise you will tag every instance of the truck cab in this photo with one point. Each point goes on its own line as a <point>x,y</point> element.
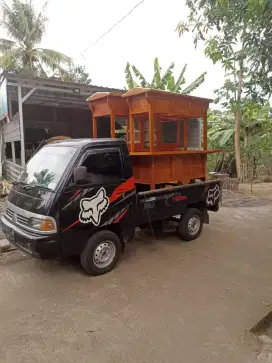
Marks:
<point>66,191</point>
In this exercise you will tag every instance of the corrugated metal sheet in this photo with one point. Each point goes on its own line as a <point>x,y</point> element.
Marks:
<point>194,134</point>
<point>11,170</point>
<point>11,130</point>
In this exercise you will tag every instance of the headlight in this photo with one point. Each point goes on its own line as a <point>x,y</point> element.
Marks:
<point>35,223</point>
<point>46,224</point>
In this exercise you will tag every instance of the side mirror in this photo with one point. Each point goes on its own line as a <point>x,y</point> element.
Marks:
<point>80,174</point>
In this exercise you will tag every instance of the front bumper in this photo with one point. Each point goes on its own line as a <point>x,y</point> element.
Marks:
<point>35,244</point>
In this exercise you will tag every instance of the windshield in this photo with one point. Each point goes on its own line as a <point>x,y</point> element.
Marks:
<point>46,167</point>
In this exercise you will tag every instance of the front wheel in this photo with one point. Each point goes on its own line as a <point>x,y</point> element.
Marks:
<point>101,253</point>
<point>191,224</point>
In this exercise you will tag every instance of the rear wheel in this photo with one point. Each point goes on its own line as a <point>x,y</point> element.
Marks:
<point>191,224</point>
<point>101,253</point>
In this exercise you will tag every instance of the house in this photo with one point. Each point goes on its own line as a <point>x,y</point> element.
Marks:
<point>35,109</point>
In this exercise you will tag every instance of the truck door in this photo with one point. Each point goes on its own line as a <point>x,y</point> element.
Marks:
<point>103,198</point>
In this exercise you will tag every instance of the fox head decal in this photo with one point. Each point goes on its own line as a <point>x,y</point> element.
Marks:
<point>213,195</point>
<point>93,208</point>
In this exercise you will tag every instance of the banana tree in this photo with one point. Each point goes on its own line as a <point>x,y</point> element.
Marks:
<point>222,125</point>
<point>163,81</point>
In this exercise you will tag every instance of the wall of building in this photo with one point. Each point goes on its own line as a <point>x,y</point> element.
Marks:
<point>43,122</point>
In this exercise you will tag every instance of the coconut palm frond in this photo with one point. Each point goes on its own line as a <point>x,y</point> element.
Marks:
<point>6,45</point>
<point>51,58</point>
<point>38,26</point>
<point>11,57</point>
<point>26,28</point>
<point>15,20</point>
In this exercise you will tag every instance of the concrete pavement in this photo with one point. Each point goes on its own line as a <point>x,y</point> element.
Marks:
<point>167,301</point>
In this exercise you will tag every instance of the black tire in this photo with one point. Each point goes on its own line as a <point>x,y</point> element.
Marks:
<point>185,229</point>
<point>97,244</point>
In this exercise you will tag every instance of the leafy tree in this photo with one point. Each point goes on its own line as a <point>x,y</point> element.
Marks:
<point>163,81</point>
<point>77,74</point>
<point>21,53</point>
<point>236,34</point>
<point>255,137</point>
<point>255,120</point>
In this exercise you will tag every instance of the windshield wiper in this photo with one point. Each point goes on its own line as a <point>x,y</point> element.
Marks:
<point>36,186</point>
<point>16,182</point>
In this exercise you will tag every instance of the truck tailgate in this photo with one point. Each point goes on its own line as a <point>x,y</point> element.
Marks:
<point>167,202</point>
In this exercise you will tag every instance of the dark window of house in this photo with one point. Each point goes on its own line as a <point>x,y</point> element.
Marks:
<point>8,150</point>
<point>17,146</point>
<point>104,167</point>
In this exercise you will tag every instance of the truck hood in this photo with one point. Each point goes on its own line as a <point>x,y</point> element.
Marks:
<point>34,200</point>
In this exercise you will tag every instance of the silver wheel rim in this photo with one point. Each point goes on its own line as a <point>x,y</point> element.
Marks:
<point>193,225</point>
<point>104,254</point>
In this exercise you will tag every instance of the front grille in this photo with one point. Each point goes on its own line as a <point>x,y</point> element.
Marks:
<point>22,220</point>
<point>16,218</point>
<point>9,213</point>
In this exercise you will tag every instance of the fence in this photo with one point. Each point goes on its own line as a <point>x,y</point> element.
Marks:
<point>11,170</point>
<point>256,173</point>
<point>226,181</point>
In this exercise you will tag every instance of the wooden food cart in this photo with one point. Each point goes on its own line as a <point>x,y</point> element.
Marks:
<point>166,133</point>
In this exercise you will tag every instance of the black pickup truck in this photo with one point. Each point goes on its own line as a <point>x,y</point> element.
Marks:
<point>78,197</point>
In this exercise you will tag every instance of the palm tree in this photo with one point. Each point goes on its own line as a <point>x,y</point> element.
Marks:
<point>21,53</point>
<point>160,81</point>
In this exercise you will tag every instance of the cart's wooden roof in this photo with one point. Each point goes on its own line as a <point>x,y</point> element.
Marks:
<point>164,94</point>
<point>100,95</point>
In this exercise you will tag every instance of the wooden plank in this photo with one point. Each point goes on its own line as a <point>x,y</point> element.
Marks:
<point>112,125</point>
<point>185,130</point>
<point>94,127</point>
<point>164,94</point>
<point>131,130</point>
<point>100,109</point>
<point>205,130</point>
<point>176,152</point>
<point>118,106</point>
<point>151,128</point>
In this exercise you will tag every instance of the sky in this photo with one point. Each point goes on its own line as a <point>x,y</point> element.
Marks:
<point>73,26</point>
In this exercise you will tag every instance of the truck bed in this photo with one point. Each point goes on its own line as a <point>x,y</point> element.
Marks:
<point>167,202</point>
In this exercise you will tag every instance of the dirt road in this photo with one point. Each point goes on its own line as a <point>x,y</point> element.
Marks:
<point>167,301</point>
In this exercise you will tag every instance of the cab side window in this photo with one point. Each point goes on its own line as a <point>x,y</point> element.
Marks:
<point>104,167</point>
